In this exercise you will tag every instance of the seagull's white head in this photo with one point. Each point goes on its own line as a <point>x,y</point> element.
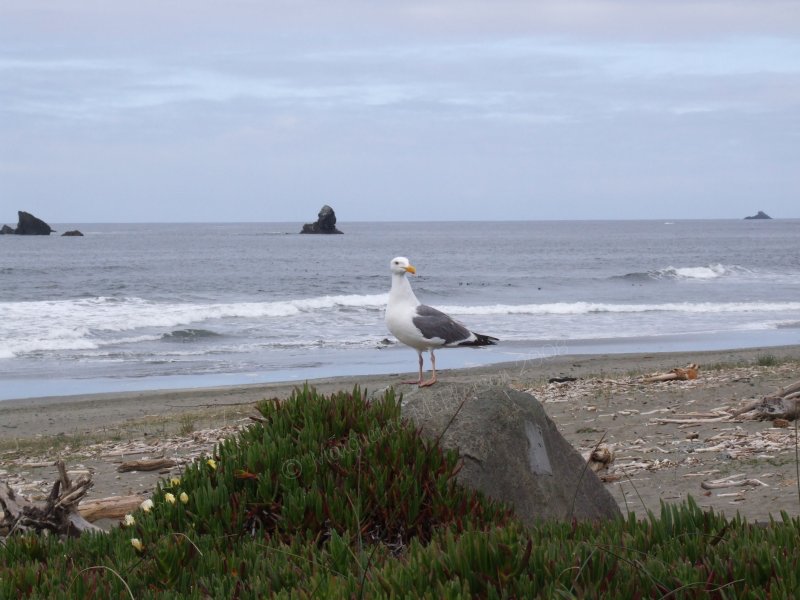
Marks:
<point>401,266</point>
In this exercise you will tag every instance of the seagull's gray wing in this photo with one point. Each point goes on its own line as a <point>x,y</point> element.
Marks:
<point>434,324</point>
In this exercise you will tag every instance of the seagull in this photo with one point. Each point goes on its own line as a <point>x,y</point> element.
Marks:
<point>423,327</point>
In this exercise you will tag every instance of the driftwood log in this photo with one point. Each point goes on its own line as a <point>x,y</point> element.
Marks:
<point>783,403</point>
<point>59,513</point>
<point>688,372</point>
<point>732,481</point>
<point>151,464</point>
<point>113,507</point>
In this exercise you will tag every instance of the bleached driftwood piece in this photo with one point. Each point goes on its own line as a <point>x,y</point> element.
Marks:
<point>59,513</point>
<point>783,403</point>
<point>151,464</point>
<point>771,408</point>
<point>731,482</point>
<point>113,507</point>
<point>694,421</point>
<point>678,374</point>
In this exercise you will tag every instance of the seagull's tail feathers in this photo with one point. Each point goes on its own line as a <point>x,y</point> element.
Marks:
<point>480,340</point>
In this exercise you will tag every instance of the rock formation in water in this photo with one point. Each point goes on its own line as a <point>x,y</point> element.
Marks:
<point>28,225</point>
<point>73,233</point>
<point>326,222</point>
<point>759,215</point>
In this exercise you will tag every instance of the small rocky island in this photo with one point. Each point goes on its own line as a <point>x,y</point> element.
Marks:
<point>326,222</point>
<point>28,225</point>
<point>759,215</point>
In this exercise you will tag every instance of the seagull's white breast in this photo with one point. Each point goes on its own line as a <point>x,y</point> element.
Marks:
<point>400,321</point>
<point>400,312</point>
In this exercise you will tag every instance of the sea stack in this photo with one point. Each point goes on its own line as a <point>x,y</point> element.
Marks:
<point>28,225</point>
<point>759,215</point>
<point>326,222</point>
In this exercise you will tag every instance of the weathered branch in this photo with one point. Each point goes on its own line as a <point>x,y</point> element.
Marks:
<point>693,421</point>
<point>113,507</point>
<point>731,482</point>
<point>689,372</point>
<point>59,513</point>
<point>152,464</point>
<point>783,403</point>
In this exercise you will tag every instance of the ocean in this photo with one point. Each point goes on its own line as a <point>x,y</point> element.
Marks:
<point>152,306</point>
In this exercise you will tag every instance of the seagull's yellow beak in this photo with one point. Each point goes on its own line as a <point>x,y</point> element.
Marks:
<point>411,270</point>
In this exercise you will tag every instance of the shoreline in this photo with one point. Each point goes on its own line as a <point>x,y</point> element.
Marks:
<point>607,402</point>
<point>384,361</point>
<point>20,417</point>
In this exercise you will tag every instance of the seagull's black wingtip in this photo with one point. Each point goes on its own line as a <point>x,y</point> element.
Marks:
<point>481,340</point>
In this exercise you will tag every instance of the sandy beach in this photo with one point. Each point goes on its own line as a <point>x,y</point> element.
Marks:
<point>655,457</point>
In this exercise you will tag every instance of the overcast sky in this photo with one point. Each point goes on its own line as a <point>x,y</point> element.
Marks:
<point>264,110</point>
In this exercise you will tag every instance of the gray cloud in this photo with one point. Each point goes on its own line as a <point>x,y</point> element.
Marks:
<point>503,109</point>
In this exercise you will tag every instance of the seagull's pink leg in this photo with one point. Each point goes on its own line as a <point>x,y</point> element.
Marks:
<point>419,380</point>
<point>432,380</point>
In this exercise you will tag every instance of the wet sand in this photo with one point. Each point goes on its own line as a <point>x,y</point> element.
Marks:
<point>607,403</point>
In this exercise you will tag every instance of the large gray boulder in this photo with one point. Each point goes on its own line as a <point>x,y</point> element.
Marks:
<point>325,223</point>
<point>511,450</point>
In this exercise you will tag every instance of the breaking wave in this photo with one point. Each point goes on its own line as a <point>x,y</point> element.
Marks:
<point>708,272</point>
<point>88,323</point>
<point>86,326</point>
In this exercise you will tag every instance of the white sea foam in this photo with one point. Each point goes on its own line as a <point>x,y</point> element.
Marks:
<point>714,272</point>
<point>705,272</point>
<point>92,323</point>
<point>110,314</point>
<point>583,308</point>
<point>708,272</point>
<point>86,323</point>
<point>698,273</point>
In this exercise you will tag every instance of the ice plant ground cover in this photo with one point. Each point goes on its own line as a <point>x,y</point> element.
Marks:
<point>336,496</point>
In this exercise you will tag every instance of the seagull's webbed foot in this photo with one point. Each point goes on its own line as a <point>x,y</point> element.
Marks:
<point>428,383</point>
<point>432,380</point>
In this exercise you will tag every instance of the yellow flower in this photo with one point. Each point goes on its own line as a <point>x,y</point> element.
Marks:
<point>129,521</point>
<point>184,497</point>
<point>169,498</point>
<point>211,463</point>
<point>175,481</point>
<point>137,543</point>
<point>146,505</point>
